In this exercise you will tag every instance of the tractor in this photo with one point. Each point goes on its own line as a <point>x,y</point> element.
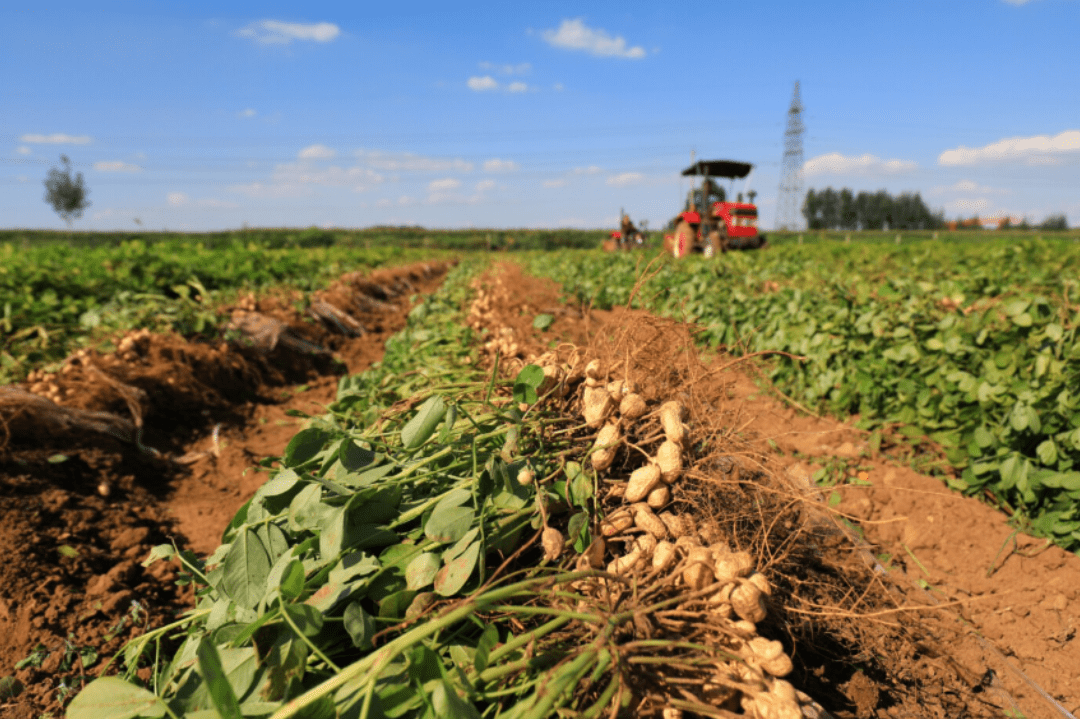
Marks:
<point>709,224</point>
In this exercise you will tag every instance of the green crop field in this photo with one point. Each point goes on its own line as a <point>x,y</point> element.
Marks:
<point>56,296</point>
<point>363,579</point>
<point>970,342</point>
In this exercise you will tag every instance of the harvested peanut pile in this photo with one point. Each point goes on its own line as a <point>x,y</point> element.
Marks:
<point>758,603</point>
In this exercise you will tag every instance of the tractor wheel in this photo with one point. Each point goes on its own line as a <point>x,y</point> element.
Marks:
<point>683,241</point>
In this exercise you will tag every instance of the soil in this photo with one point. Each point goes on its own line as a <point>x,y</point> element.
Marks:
<point>955,607</point>
<point>80,510</point>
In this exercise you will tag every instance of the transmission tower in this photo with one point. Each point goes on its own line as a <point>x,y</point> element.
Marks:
<point>789,215</point>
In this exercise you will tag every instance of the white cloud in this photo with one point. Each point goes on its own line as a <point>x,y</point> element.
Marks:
<point>482,84</point>
<point>836,164</point>
<point>1018,2</point>
<point>1036,150</point>
<point>969,186</point>
<point>24,150</point>
<point>116,166</point>
<point>485,185</point>
<point>248,112</point>
<point>58,138</point>
<point>555,183</point>
<point>497,165</point>
<point>448,183</point>
<point>316,152</point>
<point>574,35</point>
<point>407,162</point>
<point>177,199</point>
<point>406,200</point>
<point>519,69</point>
<point>273,190</point>
<point>303,173</point>
<point>590,170</point>
<point>22,178</point>
<point>383,202</point>
<point>557,87</point>
<point>275,32</point>
<point>967,205</point>
<point>625,178</point>
<point>517,86</point>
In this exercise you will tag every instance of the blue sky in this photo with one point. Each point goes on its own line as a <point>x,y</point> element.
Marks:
<point>200,116</point>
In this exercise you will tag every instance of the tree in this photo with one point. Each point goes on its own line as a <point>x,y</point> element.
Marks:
<point>66,195</point>
<point>849,216</point>
<point>811,210</point>
<point>1055,222</point>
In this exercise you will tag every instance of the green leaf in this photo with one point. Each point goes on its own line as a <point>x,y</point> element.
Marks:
<point>221,692</point>
<point>448,705</point>
<point>542,322</point>
<point>453,576</point>
<point>57,458</point>
<point>360,625</point>
<point>421,570</point>
<point>487,642</point>
<point>304,446</point>
<point>1047,452</point>
<point>395,605</point>
<point>307,618</point>
<point>245,570</point>
<point>531,375</point>
<point>292,580</point>
<point>420,428</point>
<point>354,457</point>
<point>580,483</point>
<point>113,698</point>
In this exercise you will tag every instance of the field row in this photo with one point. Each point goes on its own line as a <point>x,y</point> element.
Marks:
<point>973,345</point>
<point>57,297</point>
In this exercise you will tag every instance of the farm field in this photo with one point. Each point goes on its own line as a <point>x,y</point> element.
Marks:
<point>445,502</point>
<point>969,348</point>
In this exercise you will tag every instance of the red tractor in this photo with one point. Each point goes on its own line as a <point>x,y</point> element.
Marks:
<point>709,224</point>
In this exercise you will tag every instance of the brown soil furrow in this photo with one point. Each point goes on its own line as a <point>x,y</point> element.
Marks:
<point>81,506</point>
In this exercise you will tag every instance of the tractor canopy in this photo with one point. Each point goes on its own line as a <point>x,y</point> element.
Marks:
<point>719,168</point>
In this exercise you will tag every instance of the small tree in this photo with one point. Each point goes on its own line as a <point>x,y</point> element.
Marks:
<point>1055,223</point>
<point>66,195</point>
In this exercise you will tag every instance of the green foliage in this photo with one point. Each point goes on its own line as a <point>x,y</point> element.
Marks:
<point>65,193</point>
<point>384,510</point>
<point>1055,223</point>
<point>831,210</point>
<point>55,297</point>
<point>967,344</point>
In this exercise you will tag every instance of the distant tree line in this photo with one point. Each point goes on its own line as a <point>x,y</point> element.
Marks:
<point>830,209</point>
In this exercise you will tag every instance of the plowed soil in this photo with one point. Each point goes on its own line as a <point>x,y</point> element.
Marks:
<point>80,510</point>
<point>971,619</point>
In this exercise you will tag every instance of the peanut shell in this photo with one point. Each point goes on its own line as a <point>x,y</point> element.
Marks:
<point>642,481</point>
<point>698,572</point>
<point>669,458</point>
<point>632,406</point>
<point>659,497</point>
<point>645,519</point>
<point>664,555</point>
<point>552,540</point>
<point>607,441</point>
